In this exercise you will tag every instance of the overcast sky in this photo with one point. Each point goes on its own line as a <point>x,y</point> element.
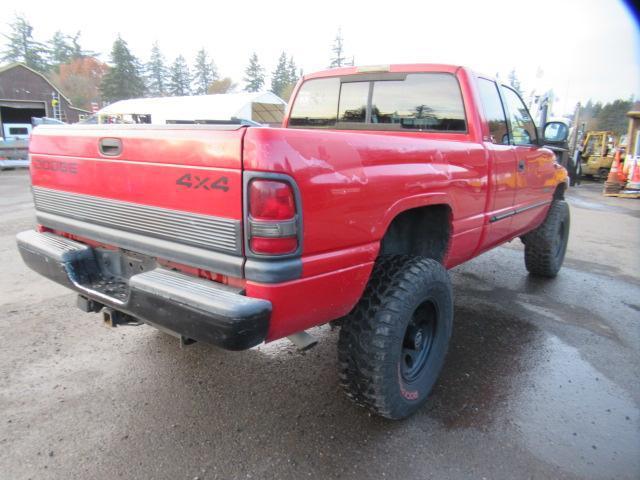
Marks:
<point>582,49</point>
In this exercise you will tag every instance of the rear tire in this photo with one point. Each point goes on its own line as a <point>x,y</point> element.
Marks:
<point>392,346</point>
<point>546,246</point>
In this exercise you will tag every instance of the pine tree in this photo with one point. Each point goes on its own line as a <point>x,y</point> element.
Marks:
<point>22,47</point>
<point>64,49</point>
<point>589,115</point>
<point>280,76</point>
<point>588,108</point>
<point>156,73</point>
<point>293,73</point>
<point>610,116</point>
<point>61,49</point>
<point>338,59</point>
<point>123,80</point>
<point>254,75</point>
<point>204,73</point>
<point>613,116</point>
<point>291,80</point>
<point>78,51</point>
<point>597,108</point>
<point>514,82</point>
<point>179,78</point>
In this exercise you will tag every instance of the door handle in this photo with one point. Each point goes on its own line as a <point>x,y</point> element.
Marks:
<point>521,165</point>
<point>110,147</point>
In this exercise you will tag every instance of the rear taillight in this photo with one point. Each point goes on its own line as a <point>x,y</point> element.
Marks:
<point>271,200</point>
<point>273,246</point>
<point>272,223</point>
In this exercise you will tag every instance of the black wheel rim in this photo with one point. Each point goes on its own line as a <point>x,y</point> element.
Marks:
<point>418,341</point>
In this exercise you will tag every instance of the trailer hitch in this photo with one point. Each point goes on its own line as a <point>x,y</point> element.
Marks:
<point>113,318</point>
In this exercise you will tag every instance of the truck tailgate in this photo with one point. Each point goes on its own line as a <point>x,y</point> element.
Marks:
<point>173,191</point>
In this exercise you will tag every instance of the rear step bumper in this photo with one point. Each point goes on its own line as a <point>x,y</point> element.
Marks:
<point>192,307</point>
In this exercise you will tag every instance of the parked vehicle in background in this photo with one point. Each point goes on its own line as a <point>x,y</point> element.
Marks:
<point>556,139</point>
<point>14,146</point>
<point>35,121</point>
<point>16,131</point>
<point>380,180</point>
<point>229,108</point>
<point>597,153</point>
<point>14,154</point>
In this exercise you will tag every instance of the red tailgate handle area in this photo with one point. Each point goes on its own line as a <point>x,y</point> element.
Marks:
<point>110,147</point>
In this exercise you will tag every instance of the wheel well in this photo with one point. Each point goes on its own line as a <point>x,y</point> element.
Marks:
<point>423,231</point>
<point>558,194</point>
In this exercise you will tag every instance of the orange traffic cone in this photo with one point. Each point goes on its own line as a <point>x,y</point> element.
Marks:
<point>622,173</point>
<point>634,180</point>
<point>612,185</point>
<point>615,168</point>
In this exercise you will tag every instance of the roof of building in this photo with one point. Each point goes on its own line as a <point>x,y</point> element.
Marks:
<point>9,66</point>
<point>4,68</point>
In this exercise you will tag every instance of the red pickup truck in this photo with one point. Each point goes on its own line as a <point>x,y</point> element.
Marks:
<point>379,180</point>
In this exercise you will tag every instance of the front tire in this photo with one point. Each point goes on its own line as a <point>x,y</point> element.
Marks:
<point>546,246</point>
<point>392,346</point>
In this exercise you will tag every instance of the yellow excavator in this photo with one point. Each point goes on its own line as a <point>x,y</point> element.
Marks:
<point>597,153</point>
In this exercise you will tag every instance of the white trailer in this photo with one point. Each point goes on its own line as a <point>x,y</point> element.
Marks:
<point>261,107</point>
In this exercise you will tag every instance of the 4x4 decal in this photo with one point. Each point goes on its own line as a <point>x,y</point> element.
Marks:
<point>207,183</point>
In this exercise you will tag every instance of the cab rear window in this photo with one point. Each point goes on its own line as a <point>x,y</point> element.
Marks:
<point>316,104</point>
<point>420,101</point>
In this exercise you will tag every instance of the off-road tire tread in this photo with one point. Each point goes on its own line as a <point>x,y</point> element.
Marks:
<point>539,250</point>
<point>365,341</point>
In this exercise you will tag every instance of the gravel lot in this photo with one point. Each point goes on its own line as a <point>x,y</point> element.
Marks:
<point>542,379</point>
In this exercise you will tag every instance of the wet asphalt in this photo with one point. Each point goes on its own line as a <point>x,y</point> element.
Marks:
<point>542,379</point>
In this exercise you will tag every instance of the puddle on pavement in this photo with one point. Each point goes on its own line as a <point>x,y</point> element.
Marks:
<point>489,349</point>
<point>504,373</point>
<point>568,314</point>
<point>580,202</point>
<point>570,415</point>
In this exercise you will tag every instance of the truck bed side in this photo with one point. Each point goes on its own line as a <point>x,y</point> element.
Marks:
<point>353,184</point>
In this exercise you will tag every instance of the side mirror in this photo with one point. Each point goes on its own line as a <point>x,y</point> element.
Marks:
<point>555,132</point>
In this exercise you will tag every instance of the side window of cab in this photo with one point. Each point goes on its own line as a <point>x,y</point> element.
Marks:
<point>493,111</point>
<point>523,130</point>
